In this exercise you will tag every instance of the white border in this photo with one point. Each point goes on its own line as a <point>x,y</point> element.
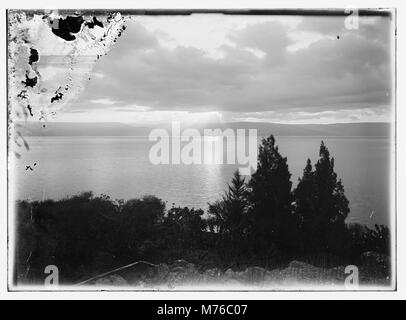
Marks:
<point>401,172</point>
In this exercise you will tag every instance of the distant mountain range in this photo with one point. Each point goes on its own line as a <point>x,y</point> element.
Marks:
<point>364,129</point>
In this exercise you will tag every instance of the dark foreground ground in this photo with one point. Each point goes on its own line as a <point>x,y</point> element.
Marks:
<point>374,271</point>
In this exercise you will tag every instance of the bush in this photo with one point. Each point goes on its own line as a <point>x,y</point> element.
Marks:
<point>260,222</point>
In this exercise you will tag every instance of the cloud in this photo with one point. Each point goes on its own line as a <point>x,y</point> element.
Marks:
<point>329,25</point>
<point>105,101</point>
<point>271,38</point>
<point>256,71</point>
<point>132,108</point>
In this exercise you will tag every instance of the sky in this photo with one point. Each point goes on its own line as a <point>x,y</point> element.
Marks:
<point>213,68</point>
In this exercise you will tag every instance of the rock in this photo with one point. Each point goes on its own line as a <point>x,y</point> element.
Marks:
<point>182,266</point>
<point>232,282</point>
<point>161,273</point>
<point>112,280</point>
<point>337,273</point>
<point>182,272</point>
<point>141,284</point>
<point>299,265</point>
<point>214,273</point>
<point>180,263</point>
<point>298,271</point>
<point>229,273</point>
<point>253,275</point>
<point>137,271</point>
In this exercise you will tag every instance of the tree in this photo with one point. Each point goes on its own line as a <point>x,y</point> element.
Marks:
<point>183,228</point>
<point>270,196</point>
<point>138,226</point>
<point>321,204</point>
<point>229,220</point>
<point>228,216</point>
<point>305,196</point>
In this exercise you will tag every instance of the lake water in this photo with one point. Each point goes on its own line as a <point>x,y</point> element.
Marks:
<point>120,167</point>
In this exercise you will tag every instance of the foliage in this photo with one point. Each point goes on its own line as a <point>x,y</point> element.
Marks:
<point>270,197</point>
<point>256,222</point>
<point>321,205</point>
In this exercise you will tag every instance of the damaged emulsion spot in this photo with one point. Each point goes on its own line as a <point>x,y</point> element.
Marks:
<point>39,90</point>
<point>30,82</point>
<point>29,167</point>
<point>58,96</point>
<point>30,110</point>
<point>95,22</point>
<point>120,33</point>
<point>34,56</point>
<point>23,95</point>
<point>65,28</point>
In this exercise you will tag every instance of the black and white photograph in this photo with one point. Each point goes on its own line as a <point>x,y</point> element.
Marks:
<point>201,149</point>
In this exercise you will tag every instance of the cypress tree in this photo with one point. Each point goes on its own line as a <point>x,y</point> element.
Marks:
<point>270,196</point>
<point>321,205</point>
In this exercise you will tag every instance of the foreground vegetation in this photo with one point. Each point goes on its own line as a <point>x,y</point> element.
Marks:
<point>260,222</point>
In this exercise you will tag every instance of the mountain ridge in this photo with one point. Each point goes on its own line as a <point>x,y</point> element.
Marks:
<point>361,129</point>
